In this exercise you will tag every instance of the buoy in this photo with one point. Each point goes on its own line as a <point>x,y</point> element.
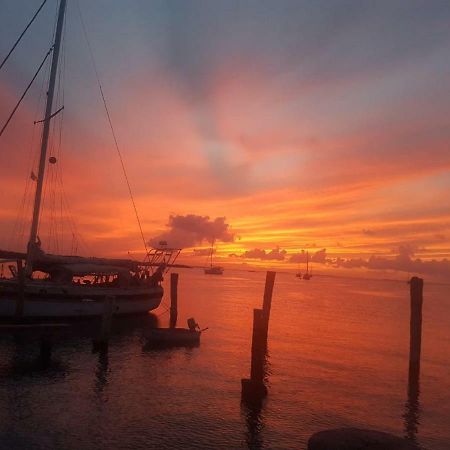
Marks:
<point>52,160</point>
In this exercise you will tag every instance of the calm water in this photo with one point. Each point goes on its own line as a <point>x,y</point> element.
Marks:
<point>338,356</point>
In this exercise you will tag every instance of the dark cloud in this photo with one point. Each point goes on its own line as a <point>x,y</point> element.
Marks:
<point>403,261</point>
<point>319,257</point>
<point>203,251</point>
<point>190,230</point>
<point>273,255</point>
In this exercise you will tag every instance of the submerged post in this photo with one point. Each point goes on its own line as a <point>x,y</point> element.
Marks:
<point>21,290</point>
<point>173,299</point>
<point>415,343</point>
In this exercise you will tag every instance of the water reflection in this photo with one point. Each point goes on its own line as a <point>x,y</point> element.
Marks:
<point>101,372</point>
<point>252,408</point>
<point>26,359</point>
<point>254,420</point>
<point>412,406</point>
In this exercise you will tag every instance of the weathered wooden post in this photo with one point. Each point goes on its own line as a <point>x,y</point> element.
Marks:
<point>173,299</point>
<point>21,290</point>
<point>101,343</point>
<point>258,347</point>
<point>415,342</point>
<point>267,303</point>
<point>253,388</point>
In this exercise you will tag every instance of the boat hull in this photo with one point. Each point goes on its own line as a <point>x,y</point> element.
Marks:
<point>173,337</point>
<point>214,271</point>
<point>63,302</point>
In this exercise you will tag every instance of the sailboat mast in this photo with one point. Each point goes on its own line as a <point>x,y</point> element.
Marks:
<point>307,262</point>
<point>212,250</point>
<point>45,135</point>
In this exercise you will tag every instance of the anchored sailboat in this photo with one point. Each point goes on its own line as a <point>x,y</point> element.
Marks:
<point>72,286</point>
<point>307,275</point>
<point>213,270</point>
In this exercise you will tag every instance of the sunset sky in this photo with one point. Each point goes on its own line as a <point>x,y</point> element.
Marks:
<point>307,125</point>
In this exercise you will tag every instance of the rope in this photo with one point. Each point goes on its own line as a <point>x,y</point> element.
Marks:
<point>25,93</point>
<point>23,33</point>
<point>112,128</point>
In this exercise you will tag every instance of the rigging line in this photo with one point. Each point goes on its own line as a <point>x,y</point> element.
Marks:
<point>25,93</point>
<point>112,128</point>
<point>23,33</point>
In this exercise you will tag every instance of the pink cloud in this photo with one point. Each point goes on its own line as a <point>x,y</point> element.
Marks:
<point>187,231</point>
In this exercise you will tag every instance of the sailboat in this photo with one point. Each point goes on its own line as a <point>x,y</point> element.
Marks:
<point>299,274</point>
<point>307,275</point>
<point>213,270</point>
<point>47,285</point>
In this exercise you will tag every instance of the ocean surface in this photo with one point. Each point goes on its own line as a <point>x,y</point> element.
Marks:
<point>338,356</point>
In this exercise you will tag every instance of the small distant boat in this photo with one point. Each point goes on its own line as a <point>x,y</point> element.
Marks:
<point>307,275</point>
<point>298,275</point>
<point>213,270</point>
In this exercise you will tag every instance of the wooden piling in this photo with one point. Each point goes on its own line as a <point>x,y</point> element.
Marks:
<point>253,389</point>
<point>21,290</point>
<point>258,347</point>
<point>415,343</point>
<point>268,291</point>
<point>267,304</point>
<point>173,299</point>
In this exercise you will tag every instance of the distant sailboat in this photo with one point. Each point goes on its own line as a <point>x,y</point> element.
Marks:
<point>299,273</point>
<point>307,275</point>
<point>213,270</point>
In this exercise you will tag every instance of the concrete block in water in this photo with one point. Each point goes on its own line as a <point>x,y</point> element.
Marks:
<point>356,439</point>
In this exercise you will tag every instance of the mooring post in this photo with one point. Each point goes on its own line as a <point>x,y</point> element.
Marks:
<point>415,342</point>
<point>21,290</point>
<point>101,343</point>
<point>254,389</point>
<point>258,346</point>
<point>173,299</point>
<point>267,303</point>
